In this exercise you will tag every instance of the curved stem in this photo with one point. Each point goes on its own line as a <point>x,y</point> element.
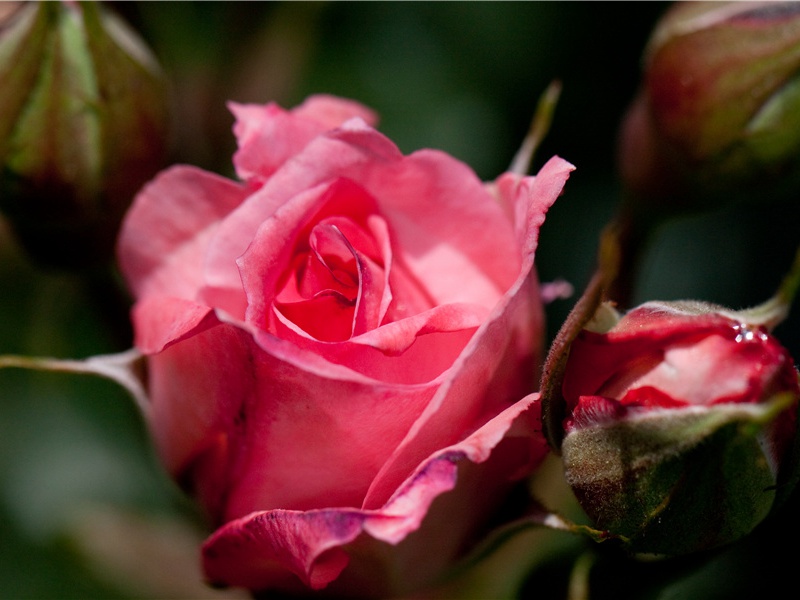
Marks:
<point>552,400</point>
<point>579,577</point>
<point>540,125</point>
<point>124,368</point>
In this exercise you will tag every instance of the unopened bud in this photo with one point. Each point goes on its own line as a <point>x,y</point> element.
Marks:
<point>83,124</point>
<point>681,432</point>
<point>719,107</point>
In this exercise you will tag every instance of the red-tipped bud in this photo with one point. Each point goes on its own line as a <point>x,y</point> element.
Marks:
<point>682,426</point>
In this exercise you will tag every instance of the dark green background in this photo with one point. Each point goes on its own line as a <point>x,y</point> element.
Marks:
<point>462,77</point>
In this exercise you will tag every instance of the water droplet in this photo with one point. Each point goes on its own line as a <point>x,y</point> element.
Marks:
<point>746,333</point>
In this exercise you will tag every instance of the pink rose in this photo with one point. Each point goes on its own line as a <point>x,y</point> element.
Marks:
<point>682,426</point>
<point>341,348</point>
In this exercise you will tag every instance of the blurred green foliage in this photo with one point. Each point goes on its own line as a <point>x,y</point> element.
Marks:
<point>462,77</point>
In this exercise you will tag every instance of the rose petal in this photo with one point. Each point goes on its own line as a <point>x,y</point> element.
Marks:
<point>289,408</point>
<point>269,256</point>
<point>341,289</point>
<point>595,410</point>
<point>267,135</point>
<point>332,111</point>
<point>163,320</point>
<point>256,551</point>
<point>494,359</point>
<point>189,433</point>
<point>167,229</point>
<point>707,371</point>
<point>256,405</point>
<point>622,358</point>
<point>324,161</point>
<point>497,366</point>
<point>252,551</point>
<point>528,199</point>
<point>470,259</point>
<point>327,317</point>
<point>660,321</point>
<point>415,350</point>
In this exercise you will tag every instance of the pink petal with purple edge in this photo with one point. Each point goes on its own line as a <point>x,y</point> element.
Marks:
<point>166,231</point>
<point>497,366</point>
<point>257,550</point>
<point>502,356</point>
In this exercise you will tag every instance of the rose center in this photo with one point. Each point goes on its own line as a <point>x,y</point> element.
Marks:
<point>328,280</point>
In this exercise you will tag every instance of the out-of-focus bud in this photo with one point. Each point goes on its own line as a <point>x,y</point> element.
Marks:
<point>719,107</point>
<point>83,124</point>
<point>681,432</point>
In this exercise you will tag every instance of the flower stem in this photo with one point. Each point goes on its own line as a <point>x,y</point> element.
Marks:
<point>124,368</point>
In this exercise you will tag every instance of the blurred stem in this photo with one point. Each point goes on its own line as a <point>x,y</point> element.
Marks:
<point>538,517</point>
<point>540,125</point>
<point>791,282</point>
<point>776,309</point>
<point>124,368</point>
<point>634,232</point>
<point>579,577</point>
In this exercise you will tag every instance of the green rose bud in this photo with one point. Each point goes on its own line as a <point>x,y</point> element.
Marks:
<point>83,124</point>
<point>681,432</point>
<point>719,107</point>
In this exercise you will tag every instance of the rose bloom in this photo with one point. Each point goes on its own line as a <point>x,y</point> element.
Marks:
<point>682,425</point>
<point>341,347</point>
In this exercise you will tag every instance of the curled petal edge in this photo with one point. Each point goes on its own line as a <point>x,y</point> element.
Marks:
<point>260,549</point>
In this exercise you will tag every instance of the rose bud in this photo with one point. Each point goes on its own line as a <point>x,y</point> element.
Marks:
<point>83,124</point>
<point>682,425</point>
<point>719,106</point>
<point>341,348</point>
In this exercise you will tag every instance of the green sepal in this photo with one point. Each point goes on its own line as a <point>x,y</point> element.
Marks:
<point>671,482</point>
